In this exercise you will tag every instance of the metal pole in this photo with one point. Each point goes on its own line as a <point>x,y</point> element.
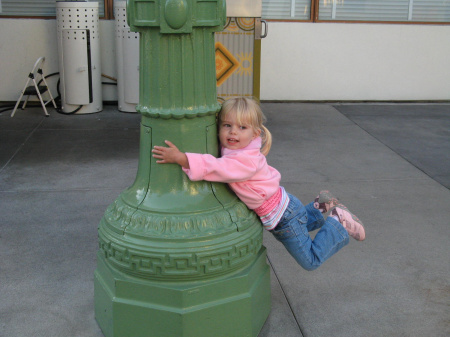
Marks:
<point>179,258</point>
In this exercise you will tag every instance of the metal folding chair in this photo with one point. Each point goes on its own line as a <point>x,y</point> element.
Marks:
<point>35,89</point>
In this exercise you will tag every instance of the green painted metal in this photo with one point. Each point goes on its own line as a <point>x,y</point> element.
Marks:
<point>179,258</point>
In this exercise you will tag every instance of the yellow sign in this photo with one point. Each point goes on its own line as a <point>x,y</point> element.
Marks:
<point>226,63</point>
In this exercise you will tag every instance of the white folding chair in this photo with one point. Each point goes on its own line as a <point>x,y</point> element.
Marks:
<point>35,89</point>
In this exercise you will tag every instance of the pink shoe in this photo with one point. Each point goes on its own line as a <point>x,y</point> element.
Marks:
<point>325,201</point>
<point>350,222</point>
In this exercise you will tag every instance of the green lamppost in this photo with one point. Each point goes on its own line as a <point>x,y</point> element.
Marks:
<point>179,258</point>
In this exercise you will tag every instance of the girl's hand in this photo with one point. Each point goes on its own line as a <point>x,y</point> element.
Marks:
<point>170,155</point>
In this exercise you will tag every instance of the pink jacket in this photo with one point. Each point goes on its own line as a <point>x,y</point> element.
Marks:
<point>245,170</point>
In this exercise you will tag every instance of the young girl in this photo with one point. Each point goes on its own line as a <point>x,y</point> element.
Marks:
<point>245,142</point>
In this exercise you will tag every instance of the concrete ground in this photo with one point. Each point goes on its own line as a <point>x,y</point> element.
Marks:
<point>389,163</point>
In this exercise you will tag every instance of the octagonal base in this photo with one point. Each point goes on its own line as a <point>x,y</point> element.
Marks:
<point>236,305</point>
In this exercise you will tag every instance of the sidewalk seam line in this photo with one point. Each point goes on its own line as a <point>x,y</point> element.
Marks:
<point>21,145</point>
<point>286,298</point>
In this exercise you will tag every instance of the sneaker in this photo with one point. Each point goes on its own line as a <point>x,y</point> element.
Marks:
<point>325,201</point>
<point>350,222</point>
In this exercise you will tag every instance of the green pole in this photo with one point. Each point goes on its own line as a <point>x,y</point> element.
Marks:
<point>179,258</point>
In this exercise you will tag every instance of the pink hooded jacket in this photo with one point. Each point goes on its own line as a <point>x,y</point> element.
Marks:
<point>245,170</point>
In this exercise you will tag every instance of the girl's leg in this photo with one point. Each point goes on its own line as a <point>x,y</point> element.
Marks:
<point>323,203</point>
<point>292,232</point>
<point>315,219</point>
<point>328,241</point>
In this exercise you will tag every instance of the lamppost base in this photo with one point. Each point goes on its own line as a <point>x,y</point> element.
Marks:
<point>233,305</point>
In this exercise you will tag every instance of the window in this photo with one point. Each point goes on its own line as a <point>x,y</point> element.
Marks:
<point>385,10</point>
<point>428,10</point>
<point>35,8</point>
<point>433,11</point>
<point>374,10</point>
<point>286,9</point>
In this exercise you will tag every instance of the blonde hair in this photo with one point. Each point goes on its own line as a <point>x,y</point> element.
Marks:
<point>248,112</point>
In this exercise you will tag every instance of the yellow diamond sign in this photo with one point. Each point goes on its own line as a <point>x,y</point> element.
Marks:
<point>226,63</point>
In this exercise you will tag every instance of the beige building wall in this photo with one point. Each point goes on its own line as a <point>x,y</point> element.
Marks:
<point>299,61</point>
<point>338,61</point>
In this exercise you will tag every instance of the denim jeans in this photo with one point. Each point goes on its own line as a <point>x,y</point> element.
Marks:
<point>292,232</point>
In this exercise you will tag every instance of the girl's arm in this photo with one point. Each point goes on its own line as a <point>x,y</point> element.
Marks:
<point>207,167</point>
<point>226,169</point>
<point>170,155</point>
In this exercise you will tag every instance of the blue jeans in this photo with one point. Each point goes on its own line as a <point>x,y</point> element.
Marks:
<point>292,232</point>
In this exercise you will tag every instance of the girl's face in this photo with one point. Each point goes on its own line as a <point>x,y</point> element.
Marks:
<point>235,136</point>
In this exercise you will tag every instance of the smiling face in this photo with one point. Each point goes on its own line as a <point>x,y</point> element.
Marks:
<point>234,135</point>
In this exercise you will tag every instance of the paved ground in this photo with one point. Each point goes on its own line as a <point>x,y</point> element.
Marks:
<point>390,163</point>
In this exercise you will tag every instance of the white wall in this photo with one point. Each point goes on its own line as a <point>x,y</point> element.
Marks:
<point>337,61</point>
<point>22,41</point>
<point>300,61</point>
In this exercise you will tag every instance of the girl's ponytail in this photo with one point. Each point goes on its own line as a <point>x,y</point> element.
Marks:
<point>266,137</point>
